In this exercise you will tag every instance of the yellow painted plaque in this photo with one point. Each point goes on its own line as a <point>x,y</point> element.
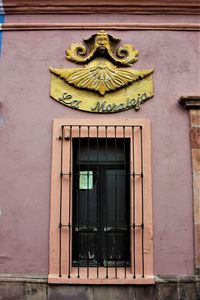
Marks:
<point>104,84</point>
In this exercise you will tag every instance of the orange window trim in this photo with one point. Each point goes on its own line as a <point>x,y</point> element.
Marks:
<point>61,267</point>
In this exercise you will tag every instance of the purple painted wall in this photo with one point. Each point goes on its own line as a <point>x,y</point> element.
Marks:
<point>26,115</point>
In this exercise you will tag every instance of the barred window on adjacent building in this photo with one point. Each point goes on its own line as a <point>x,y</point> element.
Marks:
<point>101,214</point>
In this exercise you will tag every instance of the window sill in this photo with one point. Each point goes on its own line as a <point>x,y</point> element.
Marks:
<point>83,279</point>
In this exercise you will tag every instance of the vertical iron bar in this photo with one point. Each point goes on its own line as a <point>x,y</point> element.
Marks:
<point>115,202</point>
<point>142,187</point>
<point>78,198</point>
<point>70,179</point>
<point>133,171</point>
<point>106,209</point>
<point>60,225</point>
<point>97,204</point>
<point>88,197</point>
<point>98,210</point>
<point>125,169</point>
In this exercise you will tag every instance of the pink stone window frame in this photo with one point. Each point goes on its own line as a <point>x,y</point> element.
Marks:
<point>59,267</point>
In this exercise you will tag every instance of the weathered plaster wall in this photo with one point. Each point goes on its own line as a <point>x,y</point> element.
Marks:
<point>26,115</point>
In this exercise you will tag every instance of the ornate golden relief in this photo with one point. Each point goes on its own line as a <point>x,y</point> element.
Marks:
<point>104,84</point>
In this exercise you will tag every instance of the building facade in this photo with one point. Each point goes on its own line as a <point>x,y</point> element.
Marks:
<point>100,150</point>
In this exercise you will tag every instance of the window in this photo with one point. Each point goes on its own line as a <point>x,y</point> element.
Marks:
<point>101,215</point>
<point>101,202</point>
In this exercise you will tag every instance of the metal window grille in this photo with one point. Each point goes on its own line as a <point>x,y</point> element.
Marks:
<point>95,140</point>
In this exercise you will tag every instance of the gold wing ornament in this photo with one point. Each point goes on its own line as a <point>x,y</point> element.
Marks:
<point>101,78</point>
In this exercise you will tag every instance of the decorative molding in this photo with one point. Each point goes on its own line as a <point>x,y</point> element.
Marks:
<point>111,6</point>
<point>93,26</point>
<point>190,102</point>
<point>104,84</point>
<point>102,44</point>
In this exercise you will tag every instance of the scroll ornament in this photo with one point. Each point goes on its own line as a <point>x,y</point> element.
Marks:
<point>104,84</point>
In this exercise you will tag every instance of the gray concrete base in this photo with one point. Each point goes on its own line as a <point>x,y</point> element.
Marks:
<point>160,291</point>
<point>166,288</point>
<point>101,292</point>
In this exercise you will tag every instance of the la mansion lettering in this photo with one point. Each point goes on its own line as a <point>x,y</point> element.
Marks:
<point>105,106</point>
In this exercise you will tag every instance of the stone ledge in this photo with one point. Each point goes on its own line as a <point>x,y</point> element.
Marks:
<point>197,271</point>
<point>23,278</point>
<point>190,102</point>
<point>176,279</point>
<point>27,278</point>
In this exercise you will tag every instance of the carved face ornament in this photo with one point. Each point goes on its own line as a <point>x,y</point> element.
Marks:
<point>101,42</point>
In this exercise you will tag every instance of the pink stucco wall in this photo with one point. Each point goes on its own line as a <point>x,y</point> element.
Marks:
<point>26,115</point>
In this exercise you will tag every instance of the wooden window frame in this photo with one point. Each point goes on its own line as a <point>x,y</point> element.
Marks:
<point>60,260</point>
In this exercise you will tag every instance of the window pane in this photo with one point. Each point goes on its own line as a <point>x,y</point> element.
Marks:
<point>101,201</point>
